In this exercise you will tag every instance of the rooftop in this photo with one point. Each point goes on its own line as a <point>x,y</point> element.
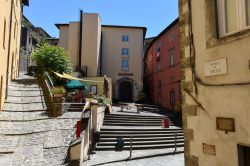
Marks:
<point>25,2</point>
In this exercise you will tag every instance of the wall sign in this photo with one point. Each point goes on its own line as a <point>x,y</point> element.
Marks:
<point>225,124</point>
<point>93,89</point>
<point>209,149</point>
<point>216,67</point>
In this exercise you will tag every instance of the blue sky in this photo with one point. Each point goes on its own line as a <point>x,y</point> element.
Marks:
<point>153,14</point>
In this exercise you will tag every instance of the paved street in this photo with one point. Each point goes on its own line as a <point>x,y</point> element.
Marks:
<point>152,157</point>
<point>28,136</point>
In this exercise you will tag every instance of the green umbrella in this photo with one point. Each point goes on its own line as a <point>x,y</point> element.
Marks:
<point>75,84</point>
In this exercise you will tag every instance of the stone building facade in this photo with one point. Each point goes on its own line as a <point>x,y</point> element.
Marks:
<point>10,31</point>
<point>215,82</point>
<point>31,37</point>
<point>111,50</point>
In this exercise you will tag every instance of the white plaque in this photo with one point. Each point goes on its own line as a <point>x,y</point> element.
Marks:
<point>216,67</point>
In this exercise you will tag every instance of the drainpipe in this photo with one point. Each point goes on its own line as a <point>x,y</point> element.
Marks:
<point>9,43</point>
<point>101,56</point>
<point>80,42</point>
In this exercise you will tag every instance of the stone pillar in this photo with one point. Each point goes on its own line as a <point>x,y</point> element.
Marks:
<point>188,108</point>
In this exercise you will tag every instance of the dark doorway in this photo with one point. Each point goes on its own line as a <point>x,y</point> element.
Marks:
<point>125,91</point>
<point>243,155</point>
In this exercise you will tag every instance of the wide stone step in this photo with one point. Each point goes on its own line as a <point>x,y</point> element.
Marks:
<point>131,118</point>
<point>75,109</point>
<point>134,143</point>
<point>141,147</point>
<point>139,117</point>
<point>79,107</point>
<point>141,129</point>
<point>126,139</point>
<point>77,104</point>
<point>134,116</point>
<point>133,121</point>
<point>133,124</point>
<point>140,135</point>
<point>141,132</point>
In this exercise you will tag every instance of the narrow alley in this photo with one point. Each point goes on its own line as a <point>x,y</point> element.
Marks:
<point>28,135</point>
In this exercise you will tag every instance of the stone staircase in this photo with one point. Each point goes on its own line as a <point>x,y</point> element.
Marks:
<point>75,107</point>
<point>146,132</point>
<point>133,120</point>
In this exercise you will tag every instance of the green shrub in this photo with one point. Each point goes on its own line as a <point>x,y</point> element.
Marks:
<point>51,58</point>
<point>58,90</point>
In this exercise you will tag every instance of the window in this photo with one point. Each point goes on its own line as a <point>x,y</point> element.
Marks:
<point>172,97</point>
<point>30,40</point>
<point>158,50</point>
<point>159,92</point>
<point>171,79</point>
<point>171,36</point>
<point>233,16</point>
<point>243,155</point>
<point>4,32</point>
<point>93,89</point>
<point>125,52</point>
<point>171,57</point>
<point>159,66</point>
<point>124,65</point>
<point>125,38</point>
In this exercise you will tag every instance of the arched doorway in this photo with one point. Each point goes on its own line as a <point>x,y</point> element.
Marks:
<point>126,90</point>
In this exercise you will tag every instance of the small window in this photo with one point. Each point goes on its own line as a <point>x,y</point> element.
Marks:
<point>171,57</point>
<point>171,36</point>
<point>172,97</point>
<point>124,65</point>
<point>30,39</point>
<point>125,52</point>
<point>159,66</point>
<point>159,92</point>
<point>158,46</point>
<point>243,155</point>
<point>4,32</point>
<point>171,79</point>
<point>233,16</point>
<point>93,89</point>
<point>125,38</point>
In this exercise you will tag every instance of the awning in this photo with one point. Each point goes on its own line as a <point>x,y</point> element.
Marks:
<point>69,77</point>
<point>75,84</point>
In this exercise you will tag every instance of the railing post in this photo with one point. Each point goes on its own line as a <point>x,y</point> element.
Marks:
<point>131,141</point>
<point>175,147</point>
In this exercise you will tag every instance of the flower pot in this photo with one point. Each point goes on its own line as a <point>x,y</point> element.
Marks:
<point>58,95</point>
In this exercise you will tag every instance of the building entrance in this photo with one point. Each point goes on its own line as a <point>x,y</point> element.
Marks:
<point>125,91</point>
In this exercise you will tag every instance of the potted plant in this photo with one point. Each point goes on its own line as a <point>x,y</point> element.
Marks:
<point>58,91</point>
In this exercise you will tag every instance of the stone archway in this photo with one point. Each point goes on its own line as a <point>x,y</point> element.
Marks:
<point>125,90</point>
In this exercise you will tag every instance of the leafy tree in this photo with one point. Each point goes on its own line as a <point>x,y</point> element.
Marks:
<point>51,58</point>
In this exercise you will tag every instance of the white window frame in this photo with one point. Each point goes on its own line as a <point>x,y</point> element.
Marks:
<point>125,52</point>
<point>241,17</point>
<point>125,68</point>
<point>171,57</point>
<point>93,89</point>
<point>125,38</point>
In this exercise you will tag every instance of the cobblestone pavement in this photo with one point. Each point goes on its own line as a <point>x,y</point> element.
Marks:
<point>28,136</point>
